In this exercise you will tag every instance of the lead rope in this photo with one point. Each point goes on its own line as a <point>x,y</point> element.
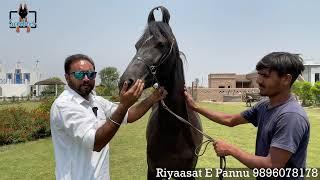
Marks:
<point>153,71</point>
<point>207,142</point>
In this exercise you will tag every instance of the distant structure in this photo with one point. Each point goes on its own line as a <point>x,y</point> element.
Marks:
<point>233,80</point>
<point>226,87</point>
<point>19,81</point>
<point>312,71</point>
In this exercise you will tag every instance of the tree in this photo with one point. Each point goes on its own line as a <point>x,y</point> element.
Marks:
<point>306,94</point>
<point>100,90</point>
<point>109,79</point>
<point>315,90</point>
<point>196,81</point>
<point>297,88</point>
<point>50,90</point>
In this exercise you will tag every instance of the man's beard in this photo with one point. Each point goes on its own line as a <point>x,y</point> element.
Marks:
<point>262,90</point>
<point>85,90</point>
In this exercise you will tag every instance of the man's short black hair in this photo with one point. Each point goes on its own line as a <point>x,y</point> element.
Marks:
<point>282,63</point>
<point>76,57</point>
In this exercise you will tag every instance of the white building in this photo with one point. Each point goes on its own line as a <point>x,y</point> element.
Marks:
<point>311,72</point>
<point>19,81</point>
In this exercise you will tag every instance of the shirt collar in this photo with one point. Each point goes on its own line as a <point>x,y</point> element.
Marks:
<point>269,107</point>
<point>79,99</point>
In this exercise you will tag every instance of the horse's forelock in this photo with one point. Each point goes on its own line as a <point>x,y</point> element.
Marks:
<point>160,31</point>
<point>143,38</point>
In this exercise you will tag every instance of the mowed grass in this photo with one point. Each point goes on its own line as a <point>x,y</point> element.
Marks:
<point>35,160</point>
<point>31,160</point>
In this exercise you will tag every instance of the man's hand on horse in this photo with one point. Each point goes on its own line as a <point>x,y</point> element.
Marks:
<point>129,96</point>
<point>158,94</point>
<point>222,148</point>
<point>190,102</point>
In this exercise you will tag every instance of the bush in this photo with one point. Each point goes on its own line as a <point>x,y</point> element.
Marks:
<point>100,90</point>
<point>315,90</point>
<point>303,90</point>
<point>41,124</point>
<point>45,105</point>
<point>19,125</point>
<point>115,98</point>
<point>14,125</point>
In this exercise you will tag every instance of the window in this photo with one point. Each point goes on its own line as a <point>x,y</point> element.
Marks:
<point>316,77</point>
<point>18,79</point>
<point>9,76</point>
<point>27,76</point>
<point>221,86</point>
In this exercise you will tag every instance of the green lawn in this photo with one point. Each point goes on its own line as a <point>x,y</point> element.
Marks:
<point>32,160</point>
<point>35,160</point>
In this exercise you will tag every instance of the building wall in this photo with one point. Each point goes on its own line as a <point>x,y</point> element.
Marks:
<point>228,80</point>
<point>18,81</point>
<point>253,78</point>
<point>225,82</point>
<point>309,72</point>
<point>314,70</point>
<point>219,94</point>
<point>9,90</point>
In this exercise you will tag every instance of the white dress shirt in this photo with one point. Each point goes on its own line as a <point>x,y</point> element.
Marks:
<point>73,127</point>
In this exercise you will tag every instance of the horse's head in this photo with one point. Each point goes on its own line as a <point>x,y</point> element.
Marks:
<point>155,55</point>
<point>23,11</point>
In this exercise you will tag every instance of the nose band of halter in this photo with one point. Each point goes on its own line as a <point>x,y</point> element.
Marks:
<point>152,69</point>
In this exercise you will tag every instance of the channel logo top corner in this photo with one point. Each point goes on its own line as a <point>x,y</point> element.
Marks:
<point>23,18</point>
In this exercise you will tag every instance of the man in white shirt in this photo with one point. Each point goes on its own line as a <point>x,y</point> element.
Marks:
<point>82,124</point>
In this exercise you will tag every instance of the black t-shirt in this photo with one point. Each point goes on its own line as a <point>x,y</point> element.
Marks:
<point>285,126</point>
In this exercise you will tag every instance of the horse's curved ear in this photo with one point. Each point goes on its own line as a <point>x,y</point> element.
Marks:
<point>165,14</point>
<point>25,7</point>
<point>20,7</point>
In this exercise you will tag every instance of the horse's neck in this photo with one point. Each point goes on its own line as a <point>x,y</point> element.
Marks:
<point>175,100</point>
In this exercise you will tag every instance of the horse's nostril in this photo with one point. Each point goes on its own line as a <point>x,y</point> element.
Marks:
<point>130,82</point>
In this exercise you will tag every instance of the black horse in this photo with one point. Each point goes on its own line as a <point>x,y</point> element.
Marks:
<point>171,144</point>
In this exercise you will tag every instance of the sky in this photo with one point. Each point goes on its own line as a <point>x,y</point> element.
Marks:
<point>216,36</point>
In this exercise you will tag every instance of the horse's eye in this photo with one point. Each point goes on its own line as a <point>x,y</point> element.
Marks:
<point>160,45</point>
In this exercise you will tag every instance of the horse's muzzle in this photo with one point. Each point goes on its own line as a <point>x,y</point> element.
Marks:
<point>129,81</point>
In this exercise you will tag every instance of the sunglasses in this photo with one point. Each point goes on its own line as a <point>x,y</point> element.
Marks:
<point>81,74</point>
